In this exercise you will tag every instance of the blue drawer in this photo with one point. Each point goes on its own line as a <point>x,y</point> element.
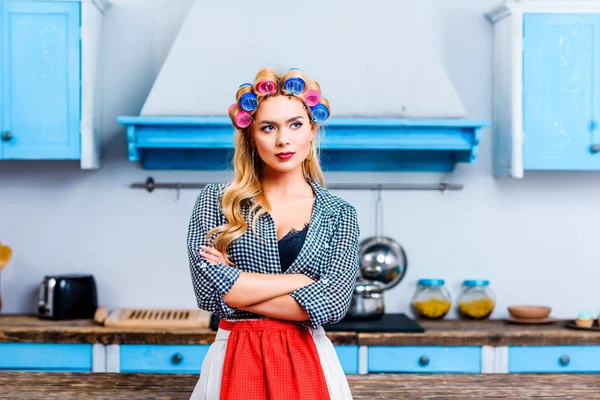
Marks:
<point>423,359</point>
<point>554,359</point>
<point>348,356</point>
<point>46,357</point>
<point>162,358</point>
<point>188,358</point>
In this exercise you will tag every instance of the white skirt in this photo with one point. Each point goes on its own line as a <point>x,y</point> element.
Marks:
<point>209,384</point>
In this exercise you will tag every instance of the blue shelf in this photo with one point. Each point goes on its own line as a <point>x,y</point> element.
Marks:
<point>349,144</point>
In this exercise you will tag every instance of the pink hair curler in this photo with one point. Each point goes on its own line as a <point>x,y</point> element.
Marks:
<point>243,119</point>
<point>312,97</point>
<point>230,107</point>
<point>265,87</point>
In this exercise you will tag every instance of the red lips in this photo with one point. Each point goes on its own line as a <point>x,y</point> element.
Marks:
<point>285,155</point>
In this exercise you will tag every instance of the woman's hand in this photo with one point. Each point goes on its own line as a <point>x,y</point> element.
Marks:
<point>213,255</point>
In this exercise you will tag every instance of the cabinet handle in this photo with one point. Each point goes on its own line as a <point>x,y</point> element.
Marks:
<point>595,148</point>
<point>424,361</point>
<point>6,136</point>
<point>177,358</point>
<point>564,360</point>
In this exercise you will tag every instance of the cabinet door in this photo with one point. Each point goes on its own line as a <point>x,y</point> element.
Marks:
<point>162,358</point>
<point>348,356</point>
<point>561,96</point>
<point>48,357</point>
<point>40,60</point>
<point>425,359</point>
<point>554,359</point>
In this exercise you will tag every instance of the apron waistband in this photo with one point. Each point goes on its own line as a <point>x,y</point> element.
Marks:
<point>260,325</point>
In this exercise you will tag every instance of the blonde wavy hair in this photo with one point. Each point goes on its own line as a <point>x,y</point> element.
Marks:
<point>247,167</point>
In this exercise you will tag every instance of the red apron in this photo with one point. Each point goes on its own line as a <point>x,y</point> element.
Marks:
<point>268,359</point>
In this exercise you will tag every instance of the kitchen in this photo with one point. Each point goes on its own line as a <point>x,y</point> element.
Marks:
<point>531,237</point>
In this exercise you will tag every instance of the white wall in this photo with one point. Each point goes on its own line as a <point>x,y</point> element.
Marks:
<point>535,239</point>
<point>340,45</point>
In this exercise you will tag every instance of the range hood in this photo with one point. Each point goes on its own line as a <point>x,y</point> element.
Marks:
<point>393,105</point>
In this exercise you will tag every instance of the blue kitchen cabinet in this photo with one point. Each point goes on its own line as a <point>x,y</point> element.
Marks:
<point>41,80</point>
<point>162,358</point>
<point>561,92</point>
<point>48,63</point>
<point>187,358</point>
<point>554,359</point>
<point>424,359</point>
<point>46,357</point>
<point>348,356</point>
<point>546,89</point>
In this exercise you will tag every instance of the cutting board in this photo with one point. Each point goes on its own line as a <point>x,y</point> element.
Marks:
<point>152,318</point>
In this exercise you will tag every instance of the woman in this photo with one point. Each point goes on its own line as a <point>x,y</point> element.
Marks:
<point>273,253</point>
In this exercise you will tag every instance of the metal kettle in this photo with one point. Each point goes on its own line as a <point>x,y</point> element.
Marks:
<point>367,300</point>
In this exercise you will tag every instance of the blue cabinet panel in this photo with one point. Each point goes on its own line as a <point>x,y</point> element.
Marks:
<point>188,358</point>
<point>41,73</point>
<point>423,359</point>
<point>554,359</point>
<point>160,358</point>
<point>561,91</point>
<point>46,357</point>
<point>348,356</point>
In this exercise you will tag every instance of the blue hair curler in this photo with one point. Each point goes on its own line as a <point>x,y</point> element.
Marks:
<point>319,113</point>
<point>248,101</point>
<point>294,85</point>
<point>245,84</point>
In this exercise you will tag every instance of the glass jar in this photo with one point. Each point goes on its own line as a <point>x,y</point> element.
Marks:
<point>476,301</point>
<point>431,299</point>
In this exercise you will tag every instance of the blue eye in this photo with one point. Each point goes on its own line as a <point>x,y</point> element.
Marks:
<point>268,128</point>
<point>297,124</point>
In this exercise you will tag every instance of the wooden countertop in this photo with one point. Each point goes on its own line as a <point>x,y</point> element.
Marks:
<point>105,386</point>
<point>483,333</point>
<point>22,328</point>
<point>27,328</point>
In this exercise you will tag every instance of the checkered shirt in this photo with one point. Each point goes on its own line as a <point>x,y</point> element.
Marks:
<point>329,256</point>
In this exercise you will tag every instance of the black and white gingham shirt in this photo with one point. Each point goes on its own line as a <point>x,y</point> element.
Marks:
<point>329,256</point>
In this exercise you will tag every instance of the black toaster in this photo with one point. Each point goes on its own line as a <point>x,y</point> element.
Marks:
<point>67,297</point>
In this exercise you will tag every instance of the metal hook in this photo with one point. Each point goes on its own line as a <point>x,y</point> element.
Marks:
<point>178,191</point>
<point>445,186</point>
<point>378,213</point>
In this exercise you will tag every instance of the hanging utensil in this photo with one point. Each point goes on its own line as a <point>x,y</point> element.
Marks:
<point>382,259</point>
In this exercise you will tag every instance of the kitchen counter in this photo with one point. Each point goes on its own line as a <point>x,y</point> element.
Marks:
<point>28,328</point>
<point>22,328</point>
<point>484,333</point>
<point>105,386</point>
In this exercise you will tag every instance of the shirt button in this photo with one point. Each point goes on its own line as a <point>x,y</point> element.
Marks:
<point>326,245</point>
<point>325,281</point>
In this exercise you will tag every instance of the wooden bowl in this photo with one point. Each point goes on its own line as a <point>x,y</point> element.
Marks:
<point>529,312</point>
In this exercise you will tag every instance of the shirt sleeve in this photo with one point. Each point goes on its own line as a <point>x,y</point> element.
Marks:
<point>211,281</point>
<point>327,300</point>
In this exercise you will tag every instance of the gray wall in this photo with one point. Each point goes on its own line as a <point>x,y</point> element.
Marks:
<point>536,239</point>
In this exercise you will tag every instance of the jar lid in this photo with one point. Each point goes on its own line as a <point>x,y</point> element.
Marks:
<point>476,282</point>
<point>431,282</point>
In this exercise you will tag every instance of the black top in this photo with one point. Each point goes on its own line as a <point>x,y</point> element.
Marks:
<point>290,245</point>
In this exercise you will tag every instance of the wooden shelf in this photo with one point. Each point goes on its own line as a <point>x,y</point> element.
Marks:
<point>349,144</point>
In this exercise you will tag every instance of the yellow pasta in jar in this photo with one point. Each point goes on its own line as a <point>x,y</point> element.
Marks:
<point>479,308</point>
<point>432,308</point>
